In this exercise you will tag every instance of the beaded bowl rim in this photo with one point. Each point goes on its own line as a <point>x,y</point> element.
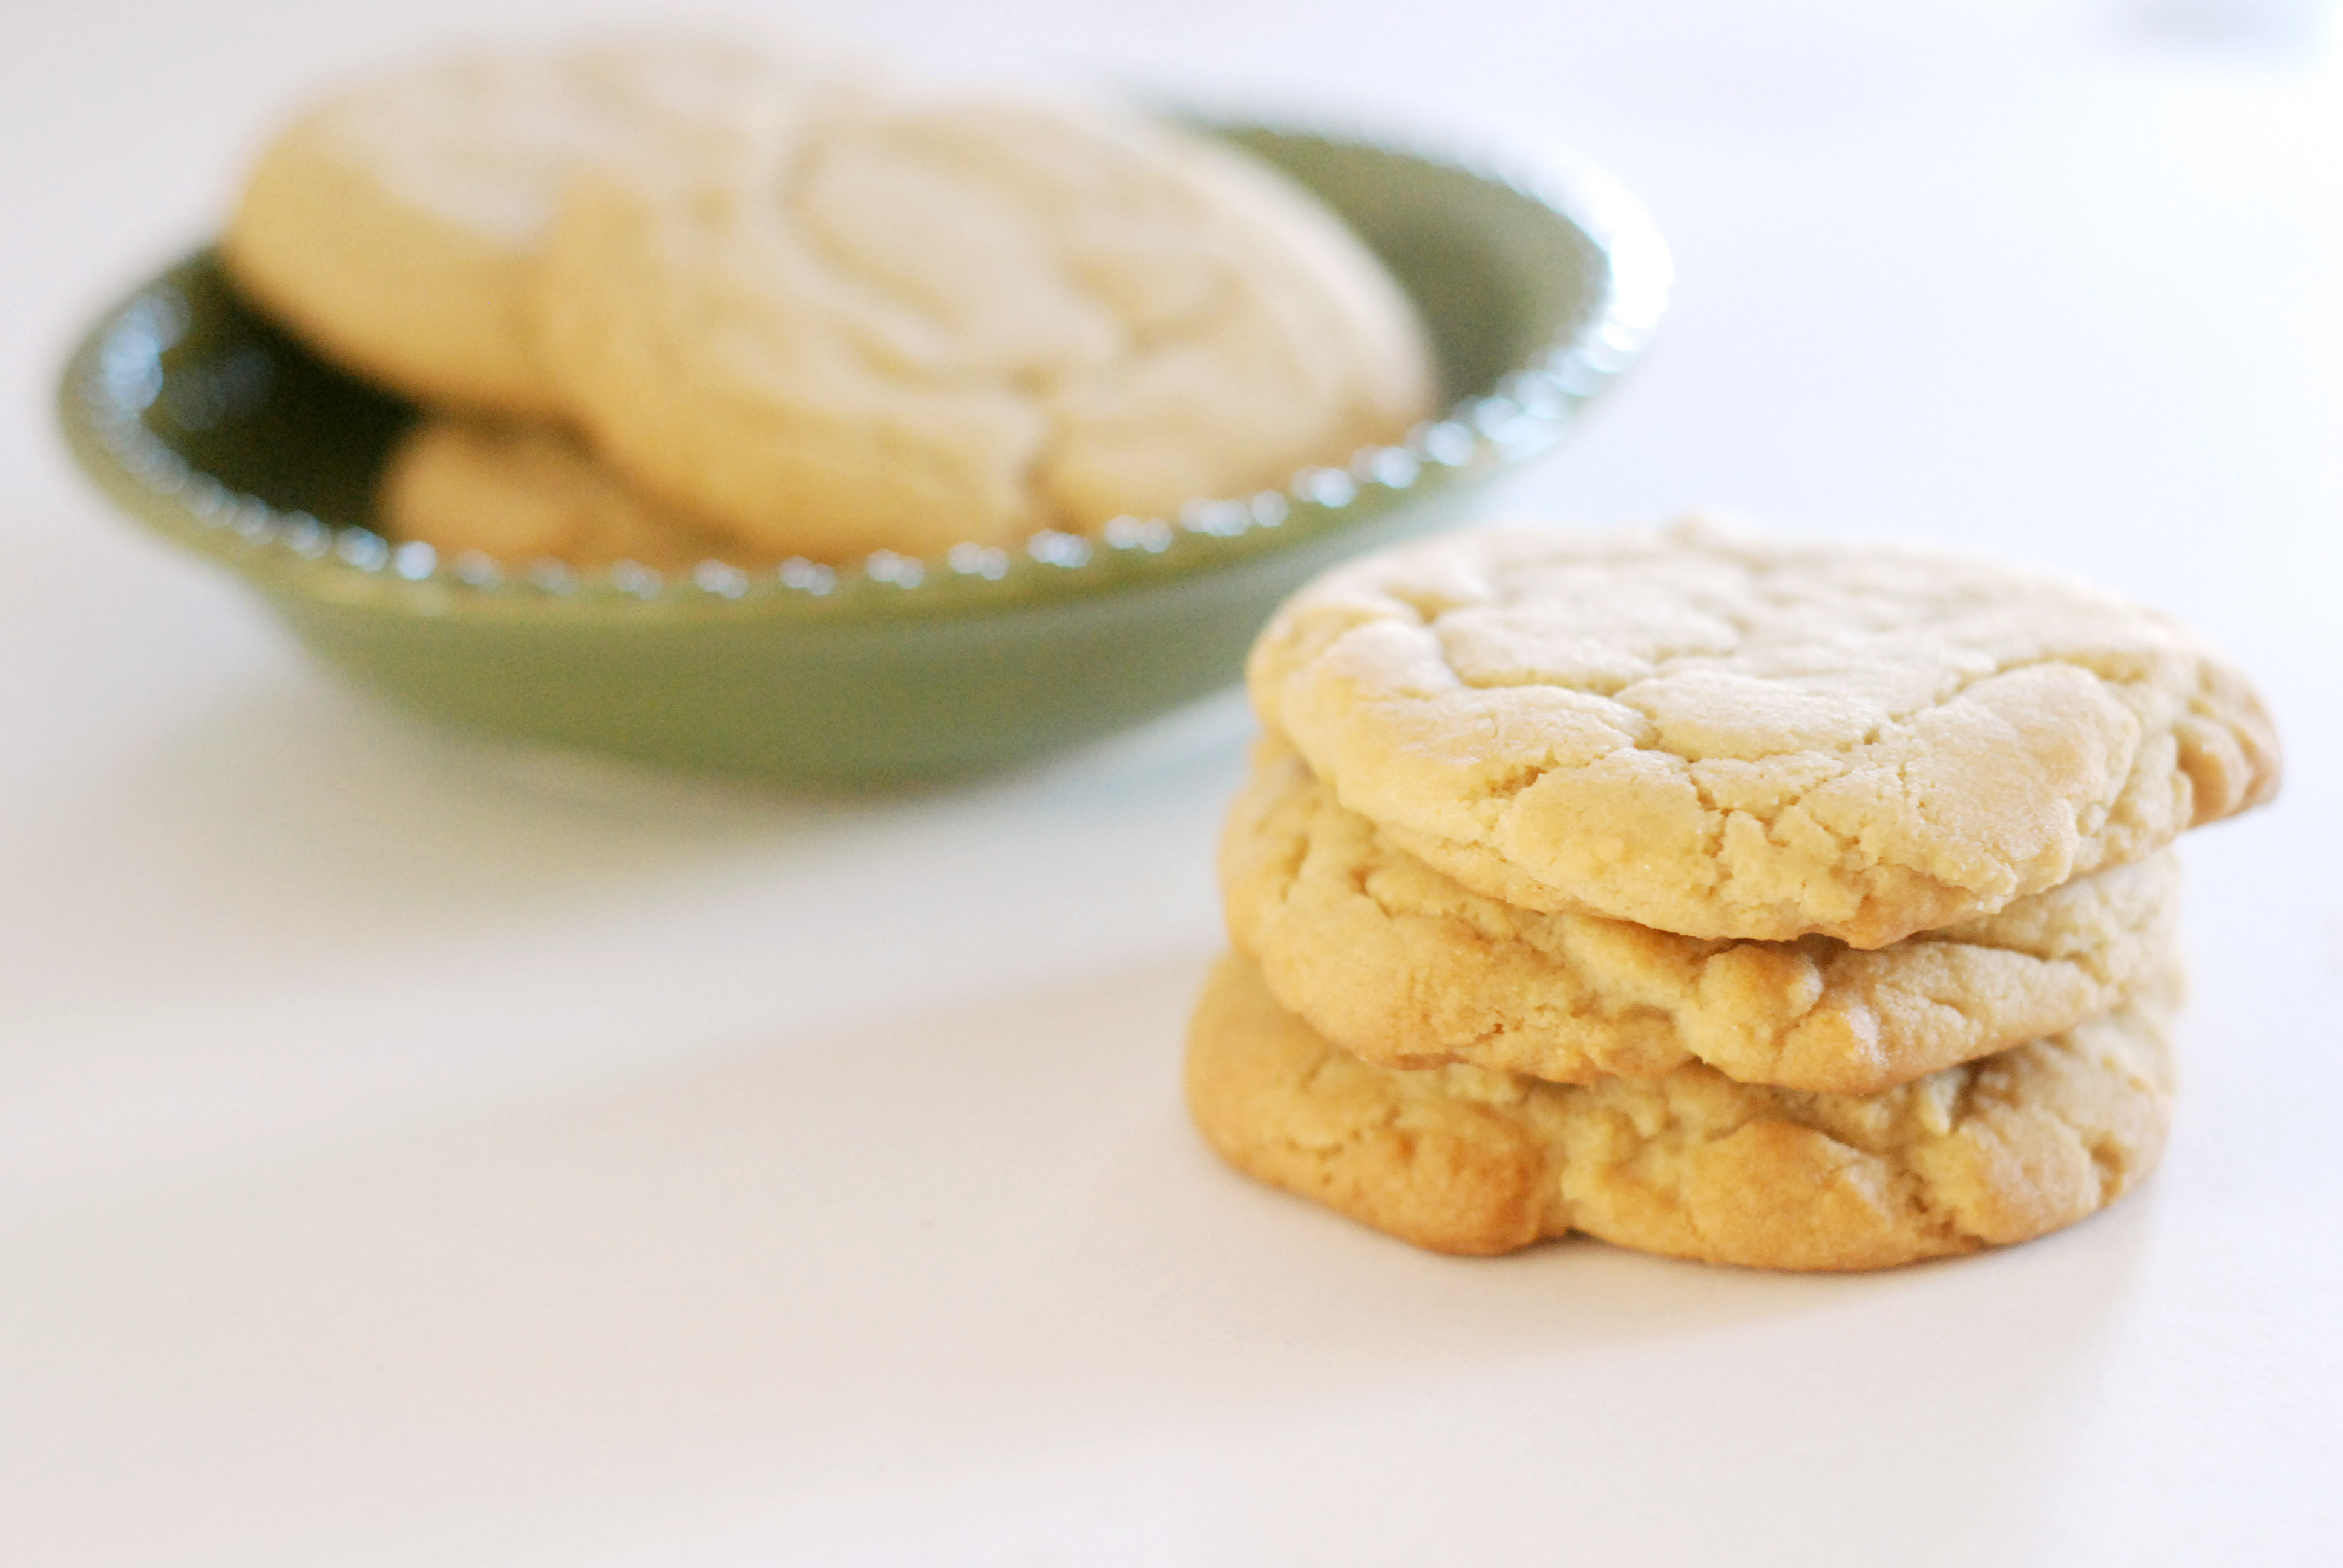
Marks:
<point>116,372</point>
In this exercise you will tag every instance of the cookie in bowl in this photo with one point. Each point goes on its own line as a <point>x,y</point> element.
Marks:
<point>968,321</point>
<point>516,494</point>
<point>397,226</point>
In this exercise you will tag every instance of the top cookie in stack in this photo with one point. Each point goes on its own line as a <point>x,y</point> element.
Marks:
<point>1737,737</point>
<point>800,310</point>
<point>1767,901</point>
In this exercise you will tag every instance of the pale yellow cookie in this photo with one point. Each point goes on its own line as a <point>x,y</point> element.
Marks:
<point>396,226</point>
<point>1694,1165</point>
<point>524,493</point>
<point>1403,965</point>
<point>952,322</point>
<point>1732,734</point>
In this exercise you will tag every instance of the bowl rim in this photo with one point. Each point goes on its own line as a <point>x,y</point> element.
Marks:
<point>114,373</point>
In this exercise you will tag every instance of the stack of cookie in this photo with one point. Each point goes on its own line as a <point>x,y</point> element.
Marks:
<point>672,300</point>
<point>1791,904</point>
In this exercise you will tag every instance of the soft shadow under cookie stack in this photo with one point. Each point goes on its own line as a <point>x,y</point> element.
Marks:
<point>1791,904</point>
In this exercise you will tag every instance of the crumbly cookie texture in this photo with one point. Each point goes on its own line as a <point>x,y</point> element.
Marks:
<point>525,493</point>
<point>1404,966</point>
<point>946,322</point>
<point>1694,1165</point>
<point>1729,734</point>
<point>397,227</point>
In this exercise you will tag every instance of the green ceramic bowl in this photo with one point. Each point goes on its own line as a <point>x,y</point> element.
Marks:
<point>214,430</point>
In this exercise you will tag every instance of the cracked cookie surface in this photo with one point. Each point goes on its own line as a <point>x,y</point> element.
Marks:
<point>1731,735</point>
<point>398,227</point>
<point>941,322</point>
<point>1694,1165</point>
<point>1400,963</point>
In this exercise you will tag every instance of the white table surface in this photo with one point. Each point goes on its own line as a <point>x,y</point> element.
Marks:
<point>410,1158</point>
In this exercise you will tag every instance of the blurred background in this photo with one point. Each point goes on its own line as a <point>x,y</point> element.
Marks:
<point>411,1154</point>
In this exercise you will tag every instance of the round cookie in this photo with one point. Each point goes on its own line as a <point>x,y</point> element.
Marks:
<point>970,321</point>
<point>1732,734</point>
<point>1694,1165</point>
<point>524,493</point>
<point>397,227</point>
<point>1401,964</point>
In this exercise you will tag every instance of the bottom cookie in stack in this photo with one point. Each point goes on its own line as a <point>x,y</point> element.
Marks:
<point>1465,1159</point>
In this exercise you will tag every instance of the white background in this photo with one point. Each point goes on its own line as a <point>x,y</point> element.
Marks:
<point>410,1157</point>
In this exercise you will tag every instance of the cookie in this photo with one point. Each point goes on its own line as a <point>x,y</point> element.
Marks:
<point>950,322</point>
<point>524,493</point>
<point>1734,735</point>
<point>1401,964</point>
<point>1692,1164</point>
<point>397,227</point>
